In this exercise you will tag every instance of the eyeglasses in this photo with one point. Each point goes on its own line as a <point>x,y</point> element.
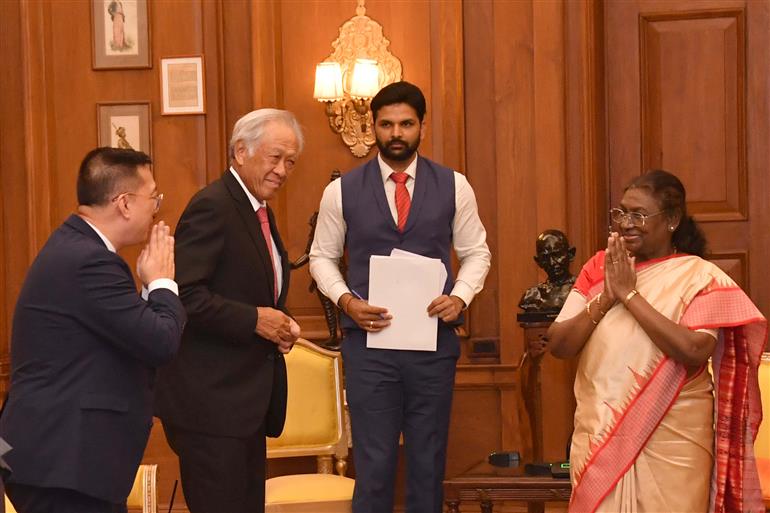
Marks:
<point>158,198</point>
<point>619,216</point>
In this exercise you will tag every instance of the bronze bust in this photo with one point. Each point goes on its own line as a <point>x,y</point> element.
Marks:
<point>553,255</point>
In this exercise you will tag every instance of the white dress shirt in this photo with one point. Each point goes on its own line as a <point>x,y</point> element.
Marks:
<point>468,236</point>
<point>160,283</point>
<point>256,205</point>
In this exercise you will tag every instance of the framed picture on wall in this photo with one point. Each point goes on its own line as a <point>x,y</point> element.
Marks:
<point>120,34</point>
<point>124,125</point>
<point>181,85</point>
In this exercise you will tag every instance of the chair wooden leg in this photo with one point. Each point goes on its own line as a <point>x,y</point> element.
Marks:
<point>453,506</point>
<point>325,464</point>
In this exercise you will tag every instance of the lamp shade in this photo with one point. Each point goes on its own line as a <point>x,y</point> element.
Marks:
<point>366,79</point>
<point>328,82</point>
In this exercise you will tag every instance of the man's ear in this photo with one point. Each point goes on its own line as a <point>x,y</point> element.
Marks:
<point>123,207</point>
<point>240,152</point>
<point>423,125</point>
<point>571,252</point>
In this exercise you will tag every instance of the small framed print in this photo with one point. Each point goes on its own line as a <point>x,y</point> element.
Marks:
<point>181,84</point>
<point>124,125</point>
<point>120,34</point>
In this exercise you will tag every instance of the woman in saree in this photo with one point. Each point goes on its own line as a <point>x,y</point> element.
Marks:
<point>652,433</point>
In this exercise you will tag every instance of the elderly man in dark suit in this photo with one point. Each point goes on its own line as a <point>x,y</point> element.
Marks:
<point>85,345</point>
<point>227,387</point>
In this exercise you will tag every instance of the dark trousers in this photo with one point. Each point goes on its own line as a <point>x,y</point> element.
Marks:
<point>393,392</point>
<point>220,474</point>
<point>38,499</point>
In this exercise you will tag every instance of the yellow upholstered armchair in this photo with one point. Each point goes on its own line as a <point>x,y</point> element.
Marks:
<point>315,426</point>
<point>762,443</point>
<point>144,493</point>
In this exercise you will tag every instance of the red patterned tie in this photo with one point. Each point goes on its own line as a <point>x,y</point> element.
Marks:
<point>403,201</point>
<point>264,223</point>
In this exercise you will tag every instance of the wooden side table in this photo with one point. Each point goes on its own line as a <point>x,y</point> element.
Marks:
<point>535,491</point>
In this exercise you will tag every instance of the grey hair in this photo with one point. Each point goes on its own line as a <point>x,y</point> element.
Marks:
<point>251,127</point>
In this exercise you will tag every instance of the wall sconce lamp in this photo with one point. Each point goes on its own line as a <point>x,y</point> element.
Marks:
<point>358,67</point>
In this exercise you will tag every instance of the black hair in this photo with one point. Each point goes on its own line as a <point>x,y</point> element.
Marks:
<point>399,92</point>
<point>104,170</point>
<point>668,190</point>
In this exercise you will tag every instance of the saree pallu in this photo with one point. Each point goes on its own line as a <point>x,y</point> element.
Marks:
<point>644,438</point>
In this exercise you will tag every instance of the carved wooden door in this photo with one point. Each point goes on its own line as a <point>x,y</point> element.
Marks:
<point>688,91</point>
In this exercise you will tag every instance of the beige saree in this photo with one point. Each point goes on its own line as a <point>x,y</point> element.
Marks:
<point>644,438</point>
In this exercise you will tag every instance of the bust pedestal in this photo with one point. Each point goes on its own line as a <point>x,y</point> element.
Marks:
<point>535,325</point>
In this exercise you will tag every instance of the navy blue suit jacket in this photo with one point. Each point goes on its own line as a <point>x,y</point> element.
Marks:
<point>83,352</point>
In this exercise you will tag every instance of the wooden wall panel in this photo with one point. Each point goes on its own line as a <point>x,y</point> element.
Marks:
<point>693,99</point>
<point>588,196</point>
<point>758,136</point>
<point>535,154</point>
<point>12,184</point>
<point>481,164</point>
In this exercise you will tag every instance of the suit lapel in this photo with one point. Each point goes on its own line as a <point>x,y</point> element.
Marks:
<point>249,217</point>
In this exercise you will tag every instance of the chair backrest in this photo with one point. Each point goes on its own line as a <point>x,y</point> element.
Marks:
<point>762,443</point>
<point>144,493</point>
<point>315,415</point>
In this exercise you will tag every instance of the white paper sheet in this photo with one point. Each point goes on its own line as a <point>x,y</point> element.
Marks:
<point>409,254</point>
<point>405,284</point>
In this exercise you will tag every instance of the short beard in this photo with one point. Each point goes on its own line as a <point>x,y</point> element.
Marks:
<point>404,155</point>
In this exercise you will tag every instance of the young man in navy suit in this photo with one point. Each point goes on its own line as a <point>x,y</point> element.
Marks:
<point>85,345</point>
<point>398,200</point>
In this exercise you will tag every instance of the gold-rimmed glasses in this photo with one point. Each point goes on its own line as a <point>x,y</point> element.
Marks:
<point>158,198</point>
<point>619,216</point>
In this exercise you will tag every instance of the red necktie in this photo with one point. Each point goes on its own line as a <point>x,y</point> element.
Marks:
<point>403,201</point>
<point>264,223</point>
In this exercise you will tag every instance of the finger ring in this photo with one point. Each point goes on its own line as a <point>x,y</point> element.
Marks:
<point>371,324</point>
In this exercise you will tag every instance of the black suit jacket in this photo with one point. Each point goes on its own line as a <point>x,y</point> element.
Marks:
<point>83,352</point>
<point>222,380</point>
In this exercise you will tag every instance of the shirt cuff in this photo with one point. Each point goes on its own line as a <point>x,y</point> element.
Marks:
<point>337,290</point>
<point>464,292</point>
<point>163,283</point>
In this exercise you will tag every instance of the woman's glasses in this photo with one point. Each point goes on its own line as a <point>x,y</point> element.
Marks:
<point>620,216</point>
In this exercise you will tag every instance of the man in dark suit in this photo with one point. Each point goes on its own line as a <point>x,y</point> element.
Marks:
<point>85,345</point>
<point>227,387</point>
<point>398,200</point>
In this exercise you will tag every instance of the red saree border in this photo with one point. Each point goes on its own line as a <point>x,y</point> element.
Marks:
<point>623,443</point>
<point>735,483</point>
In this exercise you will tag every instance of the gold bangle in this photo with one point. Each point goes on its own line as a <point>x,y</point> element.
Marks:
<point>599,304</point>
<point>629,297</point>
<point>588,312</point>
